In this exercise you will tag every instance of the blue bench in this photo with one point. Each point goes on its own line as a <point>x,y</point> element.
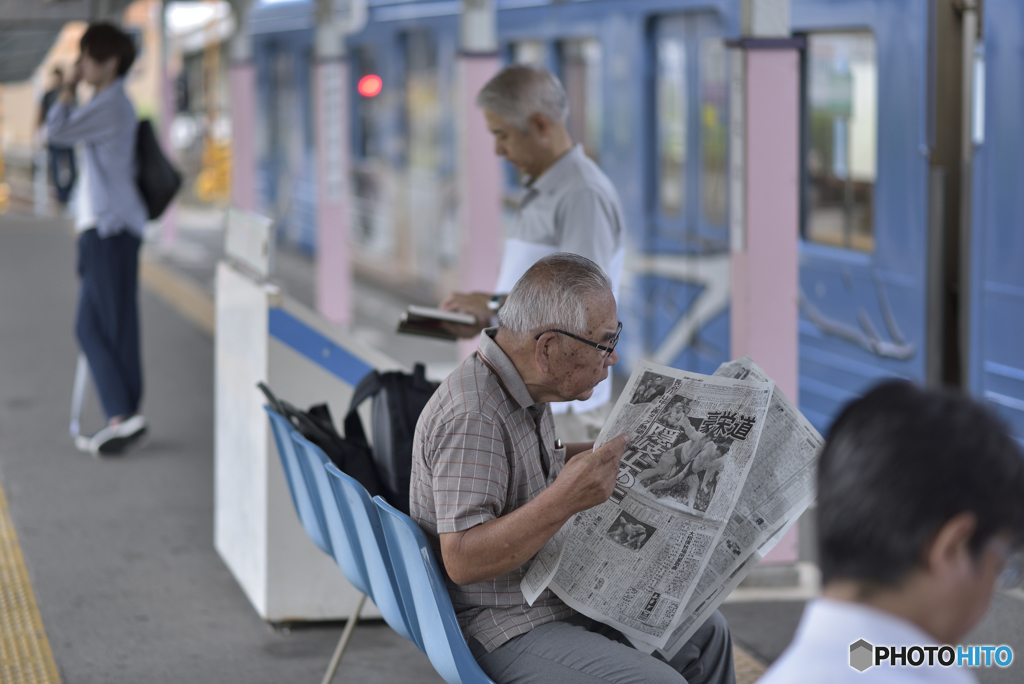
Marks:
<point>380,550</point>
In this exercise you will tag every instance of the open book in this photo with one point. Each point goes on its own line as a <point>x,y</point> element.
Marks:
<point>423,320</point>
<point>717,468</point>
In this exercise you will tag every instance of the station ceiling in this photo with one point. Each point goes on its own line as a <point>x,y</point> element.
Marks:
<point>28,29</point>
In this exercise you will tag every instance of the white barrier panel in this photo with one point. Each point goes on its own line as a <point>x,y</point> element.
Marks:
<point>264,336</point>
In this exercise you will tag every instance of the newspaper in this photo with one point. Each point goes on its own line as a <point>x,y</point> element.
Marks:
<point>633,562</point>
<point>670,545</point>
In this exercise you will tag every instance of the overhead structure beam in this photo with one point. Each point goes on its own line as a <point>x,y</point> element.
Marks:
<point>29,29</point>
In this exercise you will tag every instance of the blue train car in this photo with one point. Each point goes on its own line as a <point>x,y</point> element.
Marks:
<point>881,292</point>
<point>653,112</point>
<point>996,370</point>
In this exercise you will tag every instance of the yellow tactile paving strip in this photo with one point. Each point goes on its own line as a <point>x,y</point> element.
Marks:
<point>179,293</point>
<point>748,669</point>
<point>25,656</point>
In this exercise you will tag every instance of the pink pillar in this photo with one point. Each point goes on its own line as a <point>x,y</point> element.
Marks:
<point>480,186</point>
<point>242,84</point>
<point>765,275</point>
<point>481,181</point>
<point>333,253</point>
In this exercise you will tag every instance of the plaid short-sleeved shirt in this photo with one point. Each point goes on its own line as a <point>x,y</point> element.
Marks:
<point>477,456</point>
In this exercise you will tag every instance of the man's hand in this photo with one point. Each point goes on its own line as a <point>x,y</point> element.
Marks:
<point>589,478</point>
<point>474,303</point>
<point>497,547</point>
<point>70,87</point>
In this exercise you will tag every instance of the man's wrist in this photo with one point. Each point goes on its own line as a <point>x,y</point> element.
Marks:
<point>496,302</point>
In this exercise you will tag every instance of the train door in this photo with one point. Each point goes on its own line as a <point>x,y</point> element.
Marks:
<point>996,363</point>
<point>372,216</point>
<point>864,247</point>
<point>429,152</point>
<point>287,189</point>
<point>683,282</point>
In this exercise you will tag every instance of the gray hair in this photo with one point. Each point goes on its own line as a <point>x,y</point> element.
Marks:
<point>554,293</point>
<point>519,91</point>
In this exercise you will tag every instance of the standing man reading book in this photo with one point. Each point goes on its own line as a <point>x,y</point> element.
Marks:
<point>111,219</point>
<point>569,206</point>
<point>491,485</point>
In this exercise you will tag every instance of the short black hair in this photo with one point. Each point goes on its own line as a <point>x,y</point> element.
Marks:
<point>103,41</point>
<point>898,464</point>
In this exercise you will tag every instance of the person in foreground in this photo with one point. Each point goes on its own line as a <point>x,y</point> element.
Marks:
<point>920,511</point>
<point>111,219</point>
<point>491,485</point>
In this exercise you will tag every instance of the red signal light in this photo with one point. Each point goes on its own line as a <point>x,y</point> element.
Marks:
<point>370,85</point>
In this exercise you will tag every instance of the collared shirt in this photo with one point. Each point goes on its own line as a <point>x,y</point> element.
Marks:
<point>571,207</point>
<point>820,651</point>
<point>481,450</point>
<point>106,126</point>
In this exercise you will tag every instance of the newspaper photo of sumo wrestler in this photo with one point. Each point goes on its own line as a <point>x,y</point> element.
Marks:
<point>688,471</point>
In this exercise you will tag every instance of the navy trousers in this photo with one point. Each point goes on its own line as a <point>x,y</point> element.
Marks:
<point>107,322</point>
<point>62,171</point>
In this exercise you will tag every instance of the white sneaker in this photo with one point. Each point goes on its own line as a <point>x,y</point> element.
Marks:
<point>114,439</point>
<point>83,443</point>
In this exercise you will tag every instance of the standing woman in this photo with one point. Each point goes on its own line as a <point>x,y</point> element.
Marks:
<point>111,221</point>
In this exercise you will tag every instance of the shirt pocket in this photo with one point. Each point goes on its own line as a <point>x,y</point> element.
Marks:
<point>557,463</point>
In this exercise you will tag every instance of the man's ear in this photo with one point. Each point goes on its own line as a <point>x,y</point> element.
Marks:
<point>949,557</point>
<point>539,125</point>
<point>544,350</point>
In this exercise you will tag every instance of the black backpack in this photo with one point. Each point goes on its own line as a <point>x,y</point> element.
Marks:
<point>316,425</point>
<point>156,177</point>
<point>398,401</point>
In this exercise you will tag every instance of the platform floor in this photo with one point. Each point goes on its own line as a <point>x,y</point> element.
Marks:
<point>119,552</point>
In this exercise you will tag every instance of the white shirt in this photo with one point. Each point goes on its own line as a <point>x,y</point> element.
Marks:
<point>84,216</point>
<point>820,651</point>
<point>571,207</point>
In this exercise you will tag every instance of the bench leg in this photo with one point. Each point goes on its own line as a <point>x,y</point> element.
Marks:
<point>346,634</point>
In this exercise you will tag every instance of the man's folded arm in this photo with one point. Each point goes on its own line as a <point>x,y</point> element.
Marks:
<point>67,126</point>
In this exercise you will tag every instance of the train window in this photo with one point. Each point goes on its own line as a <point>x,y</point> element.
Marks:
<point>422,106</point>
<point>529,52</point>
<point>581,74</point>
<point>672,117</point>
<point>840,156</point>
<point>714,93</point>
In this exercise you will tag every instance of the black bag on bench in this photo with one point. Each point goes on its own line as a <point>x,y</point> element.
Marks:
<point>398,401</point>
<point>316,425</point>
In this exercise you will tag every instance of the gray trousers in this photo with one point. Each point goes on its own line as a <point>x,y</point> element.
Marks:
<point>581,651</point>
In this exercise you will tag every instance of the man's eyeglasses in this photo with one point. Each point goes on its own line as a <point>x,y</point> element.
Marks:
<point>605,349</point>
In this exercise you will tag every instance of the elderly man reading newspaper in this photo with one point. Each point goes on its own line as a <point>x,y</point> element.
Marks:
<point>491,486</point>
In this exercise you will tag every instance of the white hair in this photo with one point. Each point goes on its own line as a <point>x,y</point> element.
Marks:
<point>519,91</point>
<point>554,293</point>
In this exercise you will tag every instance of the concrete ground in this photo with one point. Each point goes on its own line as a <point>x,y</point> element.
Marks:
<point>120,551</point>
